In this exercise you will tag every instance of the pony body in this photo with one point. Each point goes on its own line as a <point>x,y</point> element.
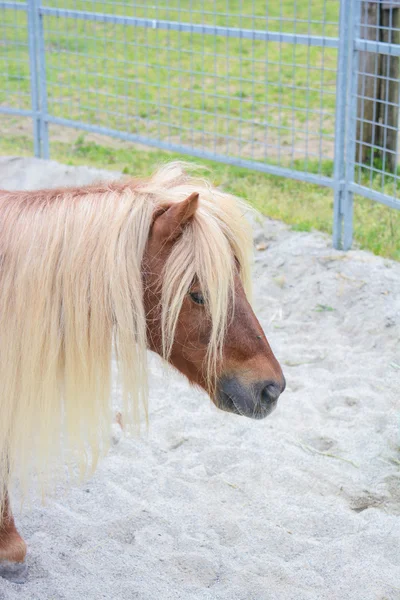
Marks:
<point>72,284</point>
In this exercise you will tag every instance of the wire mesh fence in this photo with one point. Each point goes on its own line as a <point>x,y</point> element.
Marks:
<point>279,86</point>
<point>203,76</point>
<point>15,59</point>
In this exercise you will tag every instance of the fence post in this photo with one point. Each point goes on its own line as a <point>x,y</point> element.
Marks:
<point>378,86</point>
<point>351,124</point>
<point>340,121</point>
<point>34,81</point>
<point>41,61</point>
<point>389,89</point>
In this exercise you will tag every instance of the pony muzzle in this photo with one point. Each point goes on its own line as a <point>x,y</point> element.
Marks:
<point>256,400</point>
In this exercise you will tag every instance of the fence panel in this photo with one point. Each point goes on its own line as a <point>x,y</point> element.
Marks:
<point>282,87</point>
<point>372,152</point>
<point>18,79</point>
<point>247,83</point>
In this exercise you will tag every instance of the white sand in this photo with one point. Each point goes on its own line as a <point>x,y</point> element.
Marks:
<point>211,506</point>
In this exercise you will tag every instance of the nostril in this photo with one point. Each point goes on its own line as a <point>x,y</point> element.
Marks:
<point>270,392</point>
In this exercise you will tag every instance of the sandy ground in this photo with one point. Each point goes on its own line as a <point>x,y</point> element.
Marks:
<point>210,506</point>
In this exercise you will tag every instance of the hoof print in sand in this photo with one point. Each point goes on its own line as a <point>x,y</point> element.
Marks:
<point>361,503</point>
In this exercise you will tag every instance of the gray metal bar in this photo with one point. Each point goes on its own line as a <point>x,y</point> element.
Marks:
<point>182,149</point>
<point>14,5</point>
<point>41,65</point>
<point>374,195</point>
<point>34,76</point>
<point>16,111</point>
<point>340,118</point>
<point>377,47</point>
<point>351,126</point>
<point>231,32</point>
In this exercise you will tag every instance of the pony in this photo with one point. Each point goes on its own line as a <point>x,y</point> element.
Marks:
<point>117,269</point>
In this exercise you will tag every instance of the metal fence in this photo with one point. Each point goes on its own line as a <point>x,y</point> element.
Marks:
<point>279,86</point>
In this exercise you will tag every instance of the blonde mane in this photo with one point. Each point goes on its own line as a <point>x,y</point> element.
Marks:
<point>71,294</point>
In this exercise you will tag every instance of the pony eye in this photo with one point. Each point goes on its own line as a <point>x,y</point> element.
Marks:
<point>197,297</point>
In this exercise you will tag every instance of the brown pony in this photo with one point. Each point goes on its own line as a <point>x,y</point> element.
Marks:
<point>117,269</point>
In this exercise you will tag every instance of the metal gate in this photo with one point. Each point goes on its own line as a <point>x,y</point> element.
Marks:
<point>254,84</point>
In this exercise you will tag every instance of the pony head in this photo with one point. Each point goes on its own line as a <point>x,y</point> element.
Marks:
<point>196,274</point>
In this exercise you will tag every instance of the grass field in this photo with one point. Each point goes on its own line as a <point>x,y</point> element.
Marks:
<point>246,98</point>
<point>270,102</point>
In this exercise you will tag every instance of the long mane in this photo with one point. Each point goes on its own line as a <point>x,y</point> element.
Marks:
<point>71,296</point>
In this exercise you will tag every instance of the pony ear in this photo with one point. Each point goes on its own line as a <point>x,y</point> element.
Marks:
<point>169,223</point>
